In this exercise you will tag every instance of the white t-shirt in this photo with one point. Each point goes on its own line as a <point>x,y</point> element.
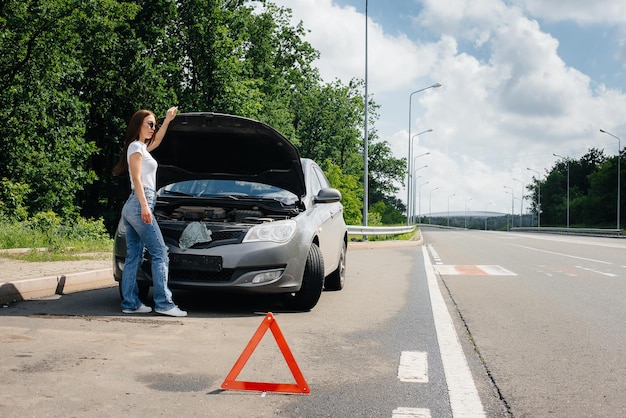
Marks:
<point>148,165</point>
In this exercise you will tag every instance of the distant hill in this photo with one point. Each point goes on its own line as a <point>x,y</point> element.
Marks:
<point>469,214</point>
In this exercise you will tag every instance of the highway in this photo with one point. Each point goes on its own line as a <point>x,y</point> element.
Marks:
<point>467,323</point>
<point>545,314</point>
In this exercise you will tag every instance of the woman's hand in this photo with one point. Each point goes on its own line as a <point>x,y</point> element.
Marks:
<point>146,214</point>
<point>158,136</point>
<point>171,113</point>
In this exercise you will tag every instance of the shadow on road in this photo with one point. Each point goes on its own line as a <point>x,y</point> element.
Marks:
<point>106,302</point>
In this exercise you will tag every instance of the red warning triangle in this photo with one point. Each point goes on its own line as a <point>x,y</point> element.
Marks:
<point>299,387</point>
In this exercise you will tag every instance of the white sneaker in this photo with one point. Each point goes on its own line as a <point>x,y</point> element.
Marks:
<point>175,311</point>
<point>141,309</point>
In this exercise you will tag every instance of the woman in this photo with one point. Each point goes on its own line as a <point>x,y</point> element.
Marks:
<point>142,229</point>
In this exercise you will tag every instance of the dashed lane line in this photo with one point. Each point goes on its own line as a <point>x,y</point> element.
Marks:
<point>413,367</point>
<point>433,252</point>
<point>411,413</point>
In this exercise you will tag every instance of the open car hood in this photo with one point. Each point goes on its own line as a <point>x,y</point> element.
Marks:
<point>219,146</point>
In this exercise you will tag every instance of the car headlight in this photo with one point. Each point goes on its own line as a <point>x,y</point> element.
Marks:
<point>279,231</point>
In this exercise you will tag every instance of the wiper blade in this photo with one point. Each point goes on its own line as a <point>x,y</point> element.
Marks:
<point>177,193</point>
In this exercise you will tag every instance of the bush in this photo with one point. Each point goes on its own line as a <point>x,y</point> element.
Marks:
<point>48,230</point>
<point>12,198</point>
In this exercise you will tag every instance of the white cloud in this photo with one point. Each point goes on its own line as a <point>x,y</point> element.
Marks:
<point>581,11</point>
<point>506,108</point>
<point>339,34</point>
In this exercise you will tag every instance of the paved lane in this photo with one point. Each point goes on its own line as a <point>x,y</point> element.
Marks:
<point>370,350</point>
<point>551,330</point>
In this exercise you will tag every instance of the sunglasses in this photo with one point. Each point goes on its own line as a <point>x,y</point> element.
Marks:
<point>152,125</point>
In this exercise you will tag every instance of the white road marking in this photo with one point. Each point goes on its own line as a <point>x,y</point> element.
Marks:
<point>464,399</point>
<point>563,255</point>
<point>473,270</point>
<point>436,257</point>
<point>411,413</point>
<point>596,271</point>
<point>413,367</point>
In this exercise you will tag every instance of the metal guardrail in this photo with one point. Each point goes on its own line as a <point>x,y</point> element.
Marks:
<point>380,230</point>
<point>599,232</point>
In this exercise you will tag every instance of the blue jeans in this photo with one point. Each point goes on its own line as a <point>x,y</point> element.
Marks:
<point>138,236</point>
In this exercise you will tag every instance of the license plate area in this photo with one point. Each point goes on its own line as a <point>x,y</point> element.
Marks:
<point>209,263</point>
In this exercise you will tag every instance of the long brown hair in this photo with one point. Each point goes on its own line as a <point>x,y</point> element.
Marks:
<point>132,134</point>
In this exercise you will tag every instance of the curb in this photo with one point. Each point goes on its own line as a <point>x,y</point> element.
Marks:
<point>28,289</point>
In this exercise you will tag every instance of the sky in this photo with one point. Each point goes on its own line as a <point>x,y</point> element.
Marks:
<point>521,80</point>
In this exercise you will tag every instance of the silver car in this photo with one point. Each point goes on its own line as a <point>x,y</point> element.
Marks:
<point>241,211</point>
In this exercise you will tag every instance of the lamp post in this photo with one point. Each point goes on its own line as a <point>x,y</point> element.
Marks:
<point>410,164</point>
<point>567,161</point>
<point>512,204</point>
<point>430,201</point>
<point>486,214</point>
<point>410,211</point>
<point>365,139</point>
<point>538,197</point>
<point>419,206</point>
<point>619,151</point>
<point>466,200</point>
<point>408,161</point>
<point>521,203</point>
<point>452,195</point>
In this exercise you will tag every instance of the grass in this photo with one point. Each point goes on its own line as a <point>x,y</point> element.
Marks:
<point>401,237</point>
<point>45,237</point>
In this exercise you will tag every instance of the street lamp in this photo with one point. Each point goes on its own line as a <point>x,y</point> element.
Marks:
<point>419,195</point>
<point>567,161</point>
<point>452,195</point>
<point>430,201</point>
<point>466,200</point>
<point>411,188</point>
<point>365,138</point>
<point>410,210</point>
<point>411,213</point>
<point>538,197</point>
<point>408,162</point>
<point>619,151</point>
<point>521,203</point>
<point>512,204</point>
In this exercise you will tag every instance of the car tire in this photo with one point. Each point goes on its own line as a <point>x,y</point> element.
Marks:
<point>144,289</point>
<point>337,278</point>
<point>312,283</point>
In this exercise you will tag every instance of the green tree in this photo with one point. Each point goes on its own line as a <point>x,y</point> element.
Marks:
<point>40,104</point>
<point>351,192</point>
<point>76,70</point>
<point>327,122</point>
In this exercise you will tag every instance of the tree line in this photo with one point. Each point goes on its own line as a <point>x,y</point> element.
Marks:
<point>74,71</point>
<point>591,203</point>
<point>592,191</point>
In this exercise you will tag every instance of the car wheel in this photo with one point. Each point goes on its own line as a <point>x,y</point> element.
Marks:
<point>312,283</point>
<point>337,278</point>
<point>144,289</point>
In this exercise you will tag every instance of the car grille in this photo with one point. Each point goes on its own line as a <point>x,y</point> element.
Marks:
<point>181,276</point>
<point>219,236</point>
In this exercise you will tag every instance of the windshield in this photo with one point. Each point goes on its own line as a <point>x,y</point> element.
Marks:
<point>228,188</point>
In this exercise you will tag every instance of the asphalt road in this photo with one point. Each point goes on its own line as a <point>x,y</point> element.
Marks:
<point>77,355</point>
<point>535,321</point>
<point>546,315</point>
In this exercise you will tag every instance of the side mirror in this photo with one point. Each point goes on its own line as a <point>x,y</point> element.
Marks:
<point>328,195</point>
